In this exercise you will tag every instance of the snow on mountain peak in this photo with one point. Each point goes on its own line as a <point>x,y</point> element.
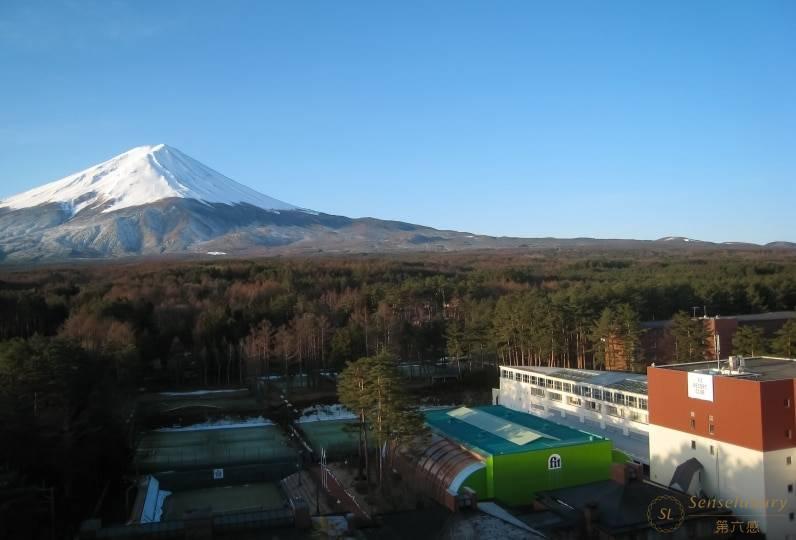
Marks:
<point>143,175</point>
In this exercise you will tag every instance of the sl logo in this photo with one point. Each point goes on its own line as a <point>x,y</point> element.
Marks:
<point>665,514</point>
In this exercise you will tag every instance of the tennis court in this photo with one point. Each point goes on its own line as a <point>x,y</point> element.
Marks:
<point>218,500</point>
<point>207,448</point>
<point>339,437</point>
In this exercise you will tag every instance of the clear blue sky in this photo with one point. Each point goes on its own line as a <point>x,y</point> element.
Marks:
<point>527,118</point>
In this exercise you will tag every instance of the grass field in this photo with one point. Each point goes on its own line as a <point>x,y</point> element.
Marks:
<point>339,437</point>
<point>241,498</point>
<point>180,450</point>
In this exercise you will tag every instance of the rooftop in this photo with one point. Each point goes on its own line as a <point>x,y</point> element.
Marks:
<point>621,507</point>
<point>759,368</point>
<point>754,317</point>
<point>622,381</point>
<point>495,430</point>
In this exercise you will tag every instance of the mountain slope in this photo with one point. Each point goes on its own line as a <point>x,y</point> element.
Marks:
<point>140,176</point>
<point>156,200</point>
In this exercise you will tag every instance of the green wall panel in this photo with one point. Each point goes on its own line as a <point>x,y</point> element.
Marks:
<point>515,478</point>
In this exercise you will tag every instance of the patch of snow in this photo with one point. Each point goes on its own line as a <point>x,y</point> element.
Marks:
<point>143,175</point>
<point>202,392</point>
<point>322,413</point>
<point>676,238</point>
<point>224,423</point>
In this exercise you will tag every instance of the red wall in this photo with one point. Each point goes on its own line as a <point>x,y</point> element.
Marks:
<point>746,413</point>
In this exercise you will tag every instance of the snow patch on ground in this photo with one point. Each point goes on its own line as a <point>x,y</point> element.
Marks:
<point>321,413</point>
<point>202,392</point>
<point>222,423</point>
<point>216,253</point>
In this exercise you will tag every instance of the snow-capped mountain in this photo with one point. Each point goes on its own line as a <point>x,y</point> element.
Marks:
<point>143,175</point>
<point>155,200</point>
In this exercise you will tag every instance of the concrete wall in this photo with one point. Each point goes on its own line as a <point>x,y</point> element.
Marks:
<point>778,475</point>
<point>730,471</point>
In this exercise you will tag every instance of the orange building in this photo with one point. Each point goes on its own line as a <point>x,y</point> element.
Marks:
<point>724,430</point>
<point>657,342</point>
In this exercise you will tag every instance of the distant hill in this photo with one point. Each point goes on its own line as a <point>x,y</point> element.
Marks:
<point>154,200</point>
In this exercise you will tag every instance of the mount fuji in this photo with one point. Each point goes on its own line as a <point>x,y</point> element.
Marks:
<point>140,176</point>
<point>156,200</point>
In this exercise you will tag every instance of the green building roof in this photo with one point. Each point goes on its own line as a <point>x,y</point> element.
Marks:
<point>496,430</point>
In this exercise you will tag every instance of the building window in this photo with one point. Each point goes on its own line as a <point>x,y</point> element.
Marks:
<point>791,516</point>
<point>790,488</point>
<point>787,460</point>
<point>526,378</point>
<point>554,396</point>
<point>596,394</point>
<point>642,404</point>
<point>567,387</point>
<point>549,383</point>
<point>710,429</point>
<point>537,392</point>
<point>503,373</point>
<point>613,411</point>
<point>540,381</point>
<point>712,450</point>
<point>608,397</point>
<point>789,433</point>
<point>533,379</point>
<point>619,398</point>
<point>710,418</point>
<point>787,403</point>
<point>693,445</point>
<point>693,424</point>
<point>692,414</point>
<point>631,401</point>
<point>558,385</point>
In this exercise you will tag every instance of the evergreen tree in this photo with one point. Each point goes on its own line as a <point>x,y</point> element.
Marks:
<point>690,338</point>
<point>785,340</point>
<point>749,341</point>
<point>374,389</point>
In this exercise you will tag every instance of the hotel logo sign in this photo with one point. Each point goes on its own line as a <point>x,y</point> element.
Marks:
<point>700,386</point>
<point>553,462</point>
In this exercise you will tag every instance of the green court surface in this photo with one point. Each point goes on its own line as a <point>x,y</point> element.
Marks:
<point>339,437</point>
<point>241,498</point>
<point>181,450</point>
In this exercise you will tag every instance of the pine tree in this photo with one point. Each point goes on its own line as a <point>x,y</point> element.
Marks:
<point>749,341</point>
<point>690,338</point>
<point>785,340</point>
<point>374,389</point>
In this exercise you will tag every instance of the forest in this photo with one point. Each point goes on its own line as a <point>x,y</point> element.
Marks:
<point>75,340</point>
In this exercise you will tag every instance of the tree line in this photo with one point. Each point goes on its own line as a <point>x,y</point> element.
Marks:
<point>219,323</point>
<point>75,341</point>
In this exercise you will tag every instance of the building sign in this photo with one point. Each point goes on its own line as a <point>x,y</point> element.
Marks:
<point>554,462</point>
<point>700,386</point>
<point>218,474</point>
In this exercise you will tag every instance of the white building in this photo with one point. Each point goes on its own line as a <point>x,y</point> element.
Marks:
<point>609,403</point>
